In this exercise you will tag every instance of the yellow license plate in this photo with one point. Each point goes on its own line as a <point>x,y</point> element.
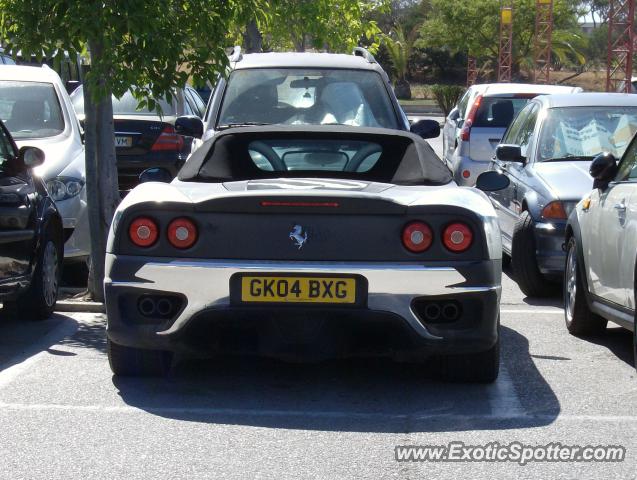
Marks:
<point>298,289</point>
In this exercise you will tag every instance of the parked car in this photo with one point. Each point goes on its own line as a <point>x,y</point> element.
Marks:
<point>307,241</point>
<point>633,86</point>
<point>38,112</point>
<point>601,250</point>
<point>546,153</point>
<point>307,89</point>
<point>145,138</point>
<point>475,126</point>
<point>31,234</point>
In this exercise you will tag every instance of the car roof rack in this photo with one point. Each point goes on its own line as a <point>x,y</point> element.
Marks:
<point>236,55</point>
<point>363,52</point>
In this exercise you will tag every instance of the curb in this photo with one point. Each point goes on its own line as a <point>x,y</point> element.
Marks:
<point>75,306</point>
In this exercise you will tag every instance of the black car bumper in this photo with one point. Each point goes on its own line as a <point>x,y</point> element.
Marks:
<point>550,248</point>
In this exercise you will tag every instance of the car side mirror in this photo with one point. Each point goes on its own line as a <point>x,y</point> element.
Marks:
<point>603,170</point>
<point>454,114</point>
<point>509,153</point>
<point>189,126</point>
<point>426,128</point>
<point>155,174</point>
<point>71,85</point>
<point>31,157</point>
<point>492,181</point>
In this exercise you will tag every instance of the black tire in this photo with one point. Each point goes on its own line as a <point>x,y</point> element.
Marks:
<point>580,321</point>
<point>524,261</point>
<point>506,260</point>
<point>38,301</point>
<point>137,362</point>
<point>481,367</point>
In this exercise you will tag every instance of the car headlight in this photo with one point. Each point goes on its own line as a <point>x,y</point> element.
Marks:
<point>62,188</point>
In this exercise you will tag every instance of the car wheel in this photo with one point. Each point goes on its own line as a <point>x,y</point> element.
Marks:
<point>579,318</point>
<point>137,362</point>
<point>38,301</point>
<point>524,261</point>
<point>481,367</point>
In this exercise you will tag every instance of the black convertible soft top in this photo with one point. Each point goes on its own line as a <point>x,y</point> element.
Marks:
<point>406,159</point>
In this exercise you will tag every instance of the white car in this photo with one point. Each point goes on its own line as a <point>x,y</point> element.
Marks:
<point>601,246</point>
<point>475,126</point>
<point>37,110</point>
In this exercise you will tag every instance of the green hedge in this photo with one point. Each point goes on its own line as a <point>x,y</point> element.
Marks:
<point>446,96</point>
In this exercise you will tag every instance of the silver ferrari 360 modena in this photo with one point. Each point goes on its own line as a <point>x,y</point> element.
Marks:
<point>307,242</point>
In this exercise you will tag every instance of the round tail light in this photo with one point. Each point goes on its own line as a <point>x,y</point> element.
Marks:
<point>457,237</point>
<point>143,232</point>
<point>182,233</point>
<point>417,237</point>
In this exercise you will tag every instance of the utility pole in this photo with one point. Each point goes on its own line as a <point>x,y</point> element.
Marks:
<point>543,40</point>
<point>621,45</point>
<point>505,56</point>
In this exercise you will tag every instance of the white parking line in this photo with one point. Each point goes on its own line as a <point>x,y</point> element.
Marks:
<point>205,411</point>
<point>556,311</point>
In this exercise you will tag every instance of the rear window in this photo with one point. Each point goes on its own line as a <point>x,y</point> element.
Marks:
<point>127,105</point>
<point>314,155</point>
<point>498,112</point>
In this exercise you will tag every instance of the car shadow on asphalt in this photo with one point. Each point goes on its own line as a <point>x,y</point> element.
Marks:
<point>21,339</point>
<point>618,340</point>
<point>360,396</point>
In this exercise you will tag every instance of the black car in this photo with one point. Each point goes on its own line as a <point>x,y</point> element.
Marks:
<point>31,235</point>
<point>144,138</point>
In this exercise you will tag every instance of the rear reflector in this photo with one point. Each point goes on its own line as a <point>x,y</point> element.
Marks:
<point>300,204</point>
<point>143,232</point>
<point>466,173</point>
<point>417,237</point>
<point>182,233</point>
<point>457,237</point>
<point>168,140</point>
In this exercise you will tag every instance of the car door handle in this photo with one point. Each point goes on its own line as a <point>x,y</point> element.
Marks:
<point>620,207</point>
<point>495,140</point>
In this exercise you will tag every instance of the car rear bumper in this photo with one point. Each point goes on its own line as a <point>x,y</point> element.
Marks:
<point>129,167</point>
<point>392,321</point>
<point>461,164</point>
<point>550,248</point>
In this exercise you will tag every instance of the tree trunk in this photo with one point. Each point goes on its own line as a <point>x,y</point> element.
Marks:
<point>252,38</point>
<point>101,173</point>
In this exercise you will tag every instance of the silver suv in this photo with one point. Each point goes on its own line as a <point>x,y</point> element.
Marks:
<point>475,126</point>
<point>304,89</point>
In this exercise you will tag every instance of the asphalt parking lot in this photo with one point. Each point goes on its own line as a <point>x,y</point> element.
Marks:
<point>63,415</point>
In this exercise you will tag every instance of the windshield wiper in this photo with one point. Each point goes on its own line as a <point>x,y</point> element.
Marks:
<point>242,124</point>
<point>569,157</point>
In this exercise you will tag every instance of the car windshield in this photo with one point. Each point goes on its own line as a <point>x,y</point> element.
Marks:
<point>30,109</point>
<point>580,133</point>
<point>126,105</point>
<point>307,96</point>
<point>309,155</point>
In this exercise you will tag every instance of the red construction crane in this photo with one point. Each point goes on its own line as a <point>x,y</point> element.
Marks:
<point>543,40</point>
<point>472,71</point>
<point>621,45</point>
<point>505,58</point>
